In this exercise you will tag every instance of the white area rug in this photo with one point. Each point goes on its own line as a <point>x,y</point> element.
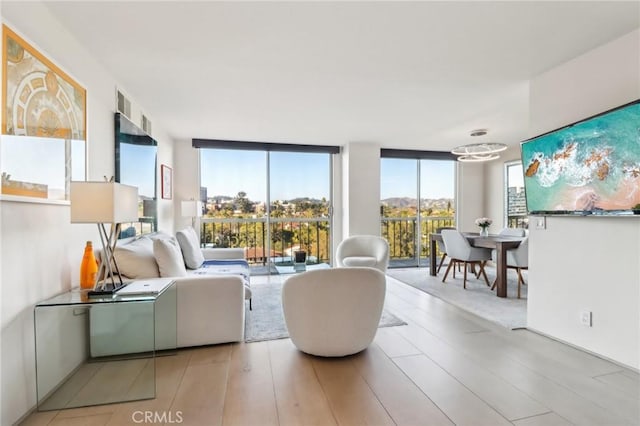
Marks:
<point>266,320</point>
<point>478,299</point>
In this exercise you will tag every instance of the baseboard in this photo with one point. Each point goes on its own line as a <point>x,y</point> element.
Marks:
<point>597,355</point>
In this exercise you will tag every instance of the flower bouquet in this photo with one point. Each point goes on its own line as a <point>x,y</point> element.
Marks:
<point>483,223</point>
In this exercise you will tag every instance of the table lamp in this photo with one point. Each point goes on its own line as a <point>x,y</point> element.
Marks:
<point>192,209</point>
<point>102,203</point>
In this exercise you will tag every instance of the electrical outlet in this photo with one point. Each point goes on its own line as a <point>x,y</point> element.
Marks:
<point>585,318</point>
<point>541,222</point>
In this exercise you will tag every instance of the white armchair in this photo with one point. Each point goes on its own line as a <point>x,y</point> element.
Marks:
<point>363,250</point>
<point>333,312</point>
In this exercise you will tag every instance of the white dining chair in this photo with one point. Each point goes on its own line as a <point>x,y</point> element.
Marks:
<point>518,259</point>
<point>512,232</point>
<point>442,247</point>
<point>461,251</point>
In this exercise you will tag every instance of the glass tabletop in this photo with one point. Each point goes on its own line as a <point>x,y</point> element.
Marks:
<point>81,297</point>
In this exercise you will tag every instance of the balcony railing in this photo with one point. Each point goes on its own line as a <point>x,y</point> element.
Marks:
<point>518,221</point>
<point>313,236</point>
<point>400,232</point>
<point>287,236</point>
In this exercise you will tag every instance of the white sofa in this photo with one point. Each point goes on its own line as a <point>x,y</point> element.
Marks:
<point>210,308</point>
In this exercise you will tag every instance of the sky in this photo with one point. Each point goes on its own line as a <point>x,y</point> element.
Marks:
<point>398,178</point>
<point>227,172</point>
<point>138,168</point>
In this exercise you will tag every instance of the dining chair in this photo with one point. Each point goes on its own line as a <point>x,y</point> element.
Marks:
<point>461,251</point>
<point>442,246</point>
<point>518,259</point>
<point>512,232</point>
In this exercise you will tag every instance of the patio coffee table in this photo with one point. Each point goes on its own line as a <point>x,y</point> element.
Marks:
<point>294,269</point>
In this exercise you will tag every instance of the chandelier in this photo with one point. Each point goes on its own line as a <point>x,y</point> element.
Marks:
<point>477,152</point>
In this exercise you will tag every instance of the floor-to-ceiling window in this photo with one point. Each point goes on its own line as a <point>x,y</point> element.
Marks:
<point>417,196</point>
<point>300,194</point>
<point>515,210</point>
<point>272,203</point>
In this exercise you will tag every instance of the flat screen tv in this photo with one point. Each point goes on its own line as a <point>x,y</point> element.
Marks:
<point>135,161</point>
<point>588,167</point>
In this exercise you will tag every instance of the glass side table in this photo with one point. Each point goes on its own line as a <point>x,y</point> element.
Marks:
<point>92,351</point>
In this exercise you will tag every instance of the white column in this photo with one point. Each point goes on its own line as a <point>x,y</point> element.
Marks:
<point>360,189</point>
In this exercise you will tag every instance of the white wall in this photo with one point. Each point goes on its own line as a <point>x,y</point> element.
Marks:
<point>41,250</point>
<point>470,197</point>
<point>186,185</point>
<point>587,263</point>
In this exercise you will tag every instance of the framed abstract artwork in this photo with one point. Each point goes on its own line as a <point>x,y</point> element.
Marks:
<point>39,98</point>
<point>167,181</point>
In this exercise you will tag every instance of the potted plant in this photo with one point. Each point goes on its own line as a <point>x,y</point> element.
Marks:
<point>636,209</point>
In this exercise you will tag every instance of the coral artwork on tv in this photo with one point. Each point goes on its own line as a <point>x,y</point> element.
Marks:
<point>590,167</point>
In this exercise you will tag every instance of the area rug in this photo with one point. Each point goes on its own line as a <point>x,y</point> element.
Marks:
<point>266,320</point>
<point>478,299</point>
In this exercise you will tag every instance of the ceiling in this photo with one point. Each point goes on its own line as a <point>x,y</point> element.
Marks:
<point>413,75</point>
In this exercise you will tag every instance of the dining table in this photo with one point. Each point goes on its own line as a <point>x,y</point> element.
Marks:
<point>501,243</point>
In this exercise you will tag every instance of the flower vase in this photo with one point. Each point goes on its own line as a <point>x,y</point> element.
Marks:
<point>484,231</point>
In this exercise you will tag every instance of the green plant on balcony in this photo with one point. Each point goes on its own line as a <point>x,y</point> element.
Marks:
<point>636,209</point>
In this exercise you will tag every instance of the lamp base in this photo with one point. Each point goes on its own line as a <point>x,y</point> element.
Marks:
<point>106,290</point>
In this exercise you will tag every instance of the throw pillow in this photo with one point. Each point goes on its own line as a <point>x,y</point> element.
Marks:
<point>190,246</point>
<point>159,235</point>
<point>136,259</point>
<point>169,258</point>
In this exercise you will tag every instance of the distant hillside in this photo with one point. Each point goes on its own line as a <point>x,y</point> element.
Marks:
<point>304,199</point>
<point>403,202</point>
<point>399,202</point>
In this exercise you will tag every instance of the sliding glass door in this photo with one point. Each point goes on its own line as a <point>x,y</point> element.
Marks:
<point>300,194</point>
<point>272,204</point>
<point>399,208</point>
<point>417,197</point>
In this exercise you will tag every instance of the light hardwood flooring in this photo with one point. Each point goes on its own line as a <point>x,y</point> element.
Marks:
<point>445,367</point>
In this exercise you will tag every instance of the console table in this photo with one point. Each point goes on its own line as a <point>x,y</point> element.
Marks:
<point>92,351</point>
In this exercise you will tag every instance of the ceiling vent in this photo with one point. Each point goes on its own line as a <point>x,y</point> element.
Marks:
<point>123,105</point>
<point>146,124</point>
<point>478,132</point>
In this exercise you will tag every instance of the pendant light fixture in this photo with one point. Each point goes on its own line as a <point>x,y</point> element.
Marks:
<point>477,152</point>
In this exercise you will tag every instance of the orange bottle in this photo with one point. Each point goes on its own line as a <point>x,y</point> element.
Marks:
<point>88,268</point>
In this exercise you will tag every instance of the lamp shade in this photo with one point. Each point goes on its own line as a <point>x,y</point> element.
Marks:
<point>191,208</point>
<point>103,202</point>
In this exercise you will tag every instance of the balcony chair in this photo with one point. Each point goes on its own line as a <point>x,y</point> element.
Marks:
<point>333,312</point>
<point>442,247</point>
<point>518,259</point>
<point>460,251</point>
<point>363,250</point>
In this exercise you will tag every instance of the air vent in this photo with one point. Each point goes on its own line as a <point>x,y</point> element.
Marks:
<point>124,105</point>
<point>146,124</point>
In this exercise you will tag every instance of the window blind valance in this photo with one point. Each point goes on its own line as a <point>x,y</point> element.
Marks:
<point>263,146</point>
<point>416,154</point>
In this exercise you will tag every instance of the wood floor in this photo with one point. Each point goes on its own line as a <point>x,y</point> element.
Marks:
<point>445,367</point>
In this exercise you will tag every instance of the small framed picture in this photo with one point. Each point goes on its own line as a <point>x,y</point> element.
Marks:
<point>167,181</point>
